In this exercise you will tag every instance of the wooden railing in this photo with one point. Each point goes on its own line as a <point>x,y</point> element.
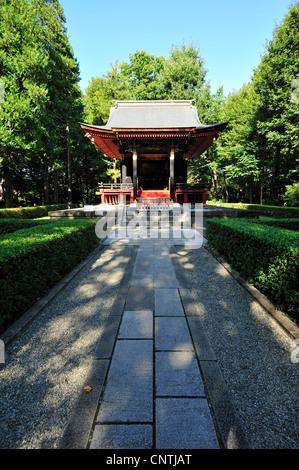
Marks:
<point>116,186</point>
<point>153,203</point>
<point>191,187</point>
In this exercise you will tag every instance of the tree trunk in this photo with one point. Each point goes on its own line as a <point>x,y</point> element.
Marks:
<point>226,191</point>
<point>69,167</point>
<point>8,177</point>
<point>86,189</point>
<point>1,190</point>
<point>250,193</point>
<point>114,168</point>
<point>215,182</point>
<point>55,183</point>
<point>46,182</point>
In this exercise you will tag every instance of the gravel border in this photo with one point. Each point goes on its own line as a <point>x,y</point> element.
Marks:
<point>286,323</point>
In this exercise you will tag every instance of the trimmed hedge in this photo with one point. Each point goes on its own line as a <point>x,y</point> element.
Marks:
<point>31,212</point>
<point>8,226</point>
<point>270,211</point>
<point>267,257</point>
<point>289,224</point>
<point>33,261</point>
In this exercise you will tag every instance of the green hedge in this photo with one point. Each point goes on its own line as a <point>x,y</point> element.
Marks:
<point>267,257</point>
<point>289,224</point>
<point>33,261</point>
<point>31,212</point>
<point>270,211</point>
<point>8,226</point>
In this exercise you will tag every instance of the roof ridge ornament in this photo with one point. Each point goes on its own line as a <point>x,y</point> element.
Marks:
<point>152,103</point>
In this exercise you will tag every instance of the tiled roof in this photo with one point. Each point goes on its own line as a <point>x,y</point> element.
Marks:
<point>168,114</point>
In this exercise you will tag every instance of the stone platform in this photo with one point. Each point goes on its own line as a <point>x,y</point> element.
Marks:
<point>94,212</point>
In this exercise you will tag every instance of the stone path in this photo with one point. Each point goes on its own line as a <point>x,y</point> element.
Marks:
<point>154,396</point>
<point>148,369</point>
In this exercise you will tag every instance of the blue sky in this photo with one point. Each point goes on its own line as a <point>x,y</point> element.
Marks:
<point>231,33</point>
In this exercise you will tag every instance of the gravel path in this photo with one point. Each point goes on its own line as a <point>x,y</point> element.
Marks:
<point>253,351</point>
<point>46,366</point>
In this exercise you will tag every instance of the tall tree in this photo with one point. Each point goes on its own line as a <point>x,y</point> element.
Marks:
<point>23,63</point>
<point>277,114</point>
<point>64,108</point>
<point>101,92</point>
<point>239,160</point>
<point>142,75</point>
<point>39,118</point>
<point>207,169</point>
<point>183,75</point>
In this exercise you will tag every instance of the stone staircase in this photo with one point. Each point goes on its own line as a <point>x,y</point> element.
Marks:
<point>160,223</point>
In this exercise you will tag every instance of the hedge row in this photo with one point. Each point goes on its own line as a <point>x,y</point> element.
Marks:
<point>32,262</point>
<point>8,226</point>
<point>267,257</point>
<point>289,224</point>
<point>31,212</point>
<point>270,211</point>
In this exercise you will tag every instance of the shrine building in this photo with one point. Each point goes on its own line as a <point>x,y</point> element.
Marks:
<point>154,141</point>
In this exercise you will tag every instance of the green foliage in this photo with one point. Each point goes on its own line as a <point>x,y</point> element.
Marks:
<point>183,74</point>
<point>30,212</point>
<point>291,196</point>
<point>277,113</point>
<point>146,77</point>
<point>270,211</point>
<point>8,226</point>
<point>142,75</point>
<point>23,64</point>
<point>289,224</point>
<point>267,257</point>
<point>239,161</point>
<point>255,159</point>
<point>43,104</point>
<point>32,261</point>
<point>258,152</point>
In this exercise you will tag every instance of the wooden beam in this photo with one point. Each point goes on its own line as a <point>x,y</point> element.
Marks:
<point>171,173</point>
<point>135,173</point>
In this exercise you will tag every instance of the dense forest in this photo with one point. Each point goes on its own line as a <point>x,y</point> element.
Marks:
<point>44,157</point>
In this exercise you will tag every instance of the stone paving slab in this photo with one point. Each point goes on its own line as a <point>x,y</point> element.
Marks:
<point>172,334</point>
<point>184,423</point>
<point>168,302</point>
<point>106,342</point>
<point>160,282</point>
<point>164,273</point>
<point>144,281</point>
<point>228,422</point>
<point>140,299</point>
<point>76,435</point>
<point>162,263</point>
<point>120,436</point>
<point>201,342</point>
<point>177,374</point>
<point>128,396</point>
<point>144,267</point>
<point>136,325</point>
